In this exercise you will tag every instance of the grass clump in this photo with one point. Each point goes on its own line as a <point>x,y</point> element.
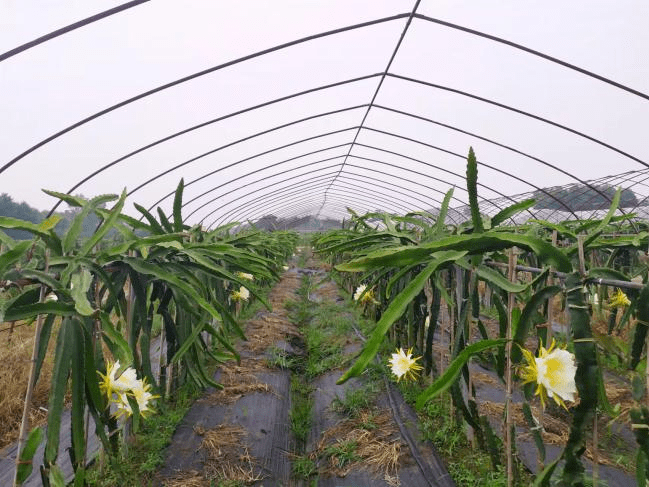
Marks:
<point>300,415</point>
<point>354,402</point>
<point>304,467</point>
<point>342,453</point>
<point>146,453</point>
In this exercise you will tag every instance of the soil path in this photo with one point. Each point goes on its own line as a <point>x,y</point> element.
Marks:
<point>243,435</point>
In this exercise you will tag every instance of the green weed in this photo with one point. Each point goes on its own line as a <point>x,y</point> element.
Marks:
<point>304,467</point>
<point>356,401</point>
<point>343,453</point>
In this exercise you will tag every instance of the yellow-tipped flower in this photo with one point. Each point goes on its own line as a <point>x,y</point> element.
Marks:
<point>111,383</point>
<point>364,295</point>
<point>118,389</point>
<point>619,299</point>
<point>554,373</point>
<point>403,364</point>
<point>143,397</point>
<point>241,295</point>
<point>245,275</point>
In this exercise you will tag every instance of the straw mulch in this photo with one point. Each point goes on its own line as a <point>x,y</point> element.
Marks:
<point>227,456</point>
<point>15,350</point>
<point>378,449</point>
<point>226,459</point>
<point>239,380</point>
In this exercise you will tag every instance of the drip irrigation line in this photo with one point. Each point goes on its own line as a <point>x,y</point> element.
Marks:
<point>481,163</point>
<point>69,28</point>
<point>198,74</point>
<point>378,88</point>
<point>520,112</point>
<point>498,144</point>
<point>11,328</point>
<point>534,52</point>
<point>425,470</point>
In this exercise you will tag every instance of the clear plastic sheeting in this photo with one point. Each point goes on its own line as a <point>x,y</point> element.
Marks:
<point>293,108</point>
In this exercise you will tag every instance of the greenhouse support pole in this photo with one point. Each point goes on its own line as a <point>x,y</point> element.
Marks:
<point>509,423</point>
<point>24,424</point>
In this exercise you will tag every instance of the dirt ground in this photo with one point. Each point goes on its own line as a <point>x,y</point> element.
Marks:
<point>241,434</point>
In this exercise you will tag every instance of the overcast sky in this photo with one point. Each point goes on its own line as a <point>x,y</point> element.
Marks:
<point>56,84</point>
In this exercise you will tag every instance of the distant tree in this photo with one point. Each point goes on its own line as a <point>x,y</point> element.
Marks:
<point>579,197</point>
<point>8,207</point>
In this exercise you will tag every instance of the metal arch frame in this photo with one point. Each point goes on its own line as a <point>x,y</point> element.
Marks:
<point>520,112</point>
<point>498,144</point>
<point>334,211</point>
<point>282,205</point>
<point>298,41</point>
<point>419,161</point>
<point>197,75</point>
<point>275,165</point>
<point>355,190</point>
<point>347,177</point>
<point>269,198</point>
<point>313,163</point>
<point>347,200</point>
<point>298,183</point>
<point>534,52</point>
<point>225,117</point>
<point>240,161</point>
<point>257,199</point>
<point>69,28</point>
<point>392,110</point>
<point>246,159</point>
<point>376,93</point>
<point>482,163</point>
<point>303,209</point>
<point>298,187</point>
<point>350,199</point>
<point>373,170</point>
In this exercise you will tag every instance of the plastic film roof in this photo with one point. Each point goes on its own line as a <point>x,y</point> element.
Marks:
<point>294,108</point>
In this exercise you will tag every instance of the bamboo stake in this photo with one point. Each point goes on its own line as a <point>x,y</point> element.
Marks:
<point>24,424</point>
<point>509,423</point>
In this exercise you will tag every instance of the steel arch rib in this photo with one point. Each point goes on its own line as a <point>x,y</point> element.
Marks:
<point>376,182</point>
<point>263,197</point>
<point>194,76</point>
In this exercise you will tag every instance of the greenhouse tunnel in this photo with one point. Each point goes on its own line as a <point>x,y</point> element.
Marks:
<point>249,104</point>
<point>308,114</point>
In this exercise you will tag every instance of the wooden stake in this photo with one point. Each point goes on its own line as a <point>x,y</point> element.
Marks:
<point>509,420</point>
<point>24,424</point>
